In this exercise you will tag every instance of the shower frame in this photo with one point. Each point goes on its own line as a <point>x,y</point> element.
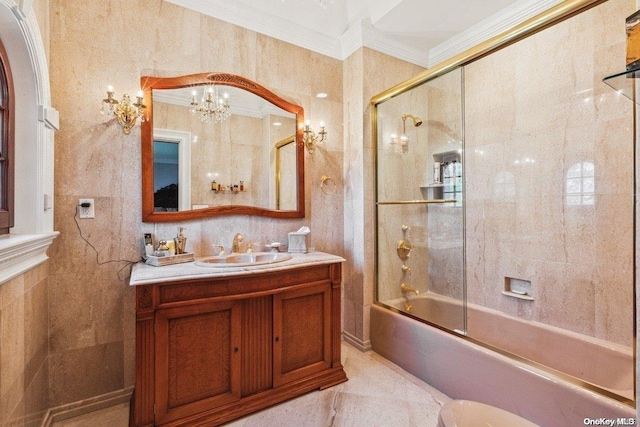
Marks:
<point>518,32</point>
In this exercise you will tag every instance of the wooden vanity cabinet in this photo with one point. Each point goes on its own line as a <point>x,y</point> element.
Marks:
<point>212,350</point>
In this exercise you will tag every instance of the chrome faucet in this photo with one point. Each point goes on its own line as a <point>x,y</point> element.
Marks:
<point>237,239</point>
<point>406,289</point>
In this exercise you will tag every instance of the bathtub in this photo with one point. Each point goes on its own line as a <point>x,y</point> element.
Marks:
<point>463,369</point>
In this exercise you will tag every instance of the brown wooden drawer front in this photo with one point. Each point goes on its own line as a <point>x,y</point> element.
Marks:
<point>212,288</point>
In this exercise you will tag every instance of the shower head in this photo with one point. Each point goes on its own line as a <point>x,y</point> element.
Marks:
<point>416,121</point>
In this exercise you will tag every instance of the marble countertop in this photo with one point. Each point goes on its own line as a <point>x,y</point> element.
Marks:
<point>143,274</point>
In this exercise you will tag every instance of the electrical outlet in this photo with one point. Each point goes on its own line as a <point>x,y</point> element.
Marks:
<point>86,212</point>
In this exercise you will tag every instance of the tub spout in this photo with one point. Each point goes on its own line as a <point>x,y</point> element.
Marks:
<point>407,289</point>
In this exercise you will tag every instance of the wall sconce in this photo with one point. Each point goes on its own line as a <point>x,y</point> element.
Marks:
<point>310,138</point>
<point>126,112</point>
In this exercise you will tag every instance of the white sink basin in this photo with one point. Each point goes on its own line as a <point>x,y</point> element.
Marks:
<point>244,260</point>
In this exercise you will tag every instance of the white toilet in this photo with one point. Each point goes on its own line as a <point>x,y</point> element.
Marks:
<point>466,413</point>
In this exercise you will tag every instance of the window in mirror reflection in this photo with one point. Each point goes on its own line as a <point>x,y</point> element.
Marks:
<point>172,170</point>
<point>165,175</point>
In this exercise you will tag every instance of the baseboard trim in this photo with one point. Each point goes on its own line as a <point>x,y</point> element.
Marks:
<point>70,410</point>
<point>356,342</point>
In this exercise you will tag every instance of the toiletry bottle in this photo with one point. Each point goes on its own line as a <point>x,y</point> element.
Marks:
<point>454,168</point>
<point>181,241</point>
<point>241,185</point>
<point>458,174</point>
<point>436,172</point>
<point>163,249</point>
<point>446,173</point>
<point>214,185</point>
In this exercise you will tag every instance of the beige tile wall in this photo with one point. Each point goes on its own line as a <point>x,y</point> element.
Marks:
<point>543,99</point>
<point>405,173</point>
<point>532,111</point>
<point>94,44</point>
<point>366,74</point>
<point>24,363</point>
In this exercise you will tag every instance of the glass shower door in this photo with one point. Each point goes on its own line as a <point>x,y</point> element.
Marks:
<point>419,206</point>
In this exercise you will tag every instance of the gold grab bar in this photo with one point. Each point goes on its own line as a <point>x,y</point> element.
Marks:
<point>417,202</point>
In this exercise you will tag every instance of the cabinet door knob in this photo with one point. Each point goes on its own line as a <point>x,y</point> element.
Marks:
<point>277,339</point>
<point>236,349</point>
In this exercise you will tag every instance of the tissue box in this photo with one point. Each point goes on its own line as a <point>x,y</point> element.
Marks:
<point>298,242</point>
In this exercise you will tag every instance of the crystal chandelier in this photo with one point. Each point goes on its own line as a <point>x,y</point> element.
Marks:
<point>212,105</point>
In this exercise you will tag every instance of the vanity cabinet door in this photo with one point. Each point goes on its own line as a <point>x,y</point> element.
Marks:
<point>302,332</point>
<point>198,358</point>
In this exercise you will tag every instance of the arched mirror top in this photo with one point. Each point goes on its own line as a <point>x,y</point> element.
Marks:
<point>209,145</point>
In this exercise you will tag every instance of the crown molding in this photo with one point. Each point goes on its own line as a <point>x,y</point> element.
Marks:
<point>363,33</point>
<point>495,24</point>
<point>376,40</point>
<point>268,25</point>
<point>351,40</point>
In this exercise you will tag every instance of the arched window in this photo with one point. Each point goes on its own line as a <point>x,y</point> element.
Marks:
<point>581,184</point>
<point>7,136</point>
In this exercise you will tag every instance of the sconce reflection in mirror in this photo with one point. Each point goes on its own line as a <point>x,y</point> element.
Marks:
<point>310,138</point>
<point>404,139</point>
<point>126,112</point>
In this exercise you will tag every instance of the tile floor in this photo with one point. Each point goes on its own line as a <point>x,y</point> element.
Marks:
<point>378,393</point>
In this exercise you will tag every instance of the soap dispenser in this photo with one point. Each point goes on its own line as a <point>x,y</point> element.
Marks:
<point>180,241</point>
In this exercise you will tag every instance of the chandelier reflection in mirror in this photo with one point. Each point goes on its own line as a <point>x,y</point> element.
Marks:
<point>213,106</point>
<point>125,111</point>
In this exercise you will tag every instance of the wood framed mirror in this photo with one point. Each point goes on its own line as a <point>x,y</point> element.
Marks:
<point>203,158</point>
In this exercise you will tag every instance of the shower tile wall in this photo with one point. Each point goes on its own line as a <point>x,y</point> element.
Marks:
<point>549,176</point>
<point>402,169</point>
<point>406,173</point>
